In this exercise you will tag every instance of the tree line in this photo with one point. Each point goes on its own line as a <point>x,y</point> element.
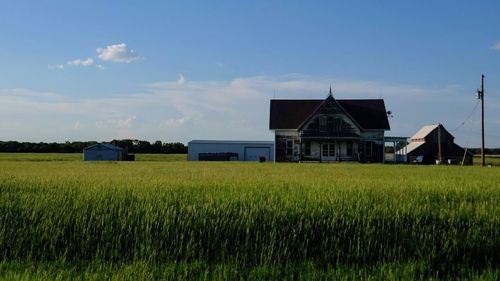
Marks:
<point>489,151</point>
<point>133,146</point>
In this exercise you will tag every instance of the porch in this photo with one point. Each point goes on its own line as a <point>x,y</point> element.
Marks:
<point>329,150</point>
<point>395,150</point>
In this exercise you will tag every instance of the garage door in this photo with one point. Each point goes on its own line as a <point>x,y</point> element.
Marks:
<point>254,153</point>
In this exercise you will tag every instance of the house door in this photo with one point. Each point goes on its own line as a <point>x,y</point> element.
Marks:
<point>328,151</point>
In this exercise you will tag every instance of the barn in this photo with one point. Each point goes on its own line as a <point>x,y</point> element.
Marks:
<point>104,152</point>
<point>227,150</point>
<point>432,144</point>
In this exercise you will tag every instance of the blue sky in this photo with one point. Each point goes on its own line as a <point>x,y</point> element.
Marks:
<point>177,71</point>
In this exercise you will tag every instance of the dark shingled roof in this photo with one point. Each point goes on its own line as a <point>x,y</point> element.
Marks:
<point>289,114</point>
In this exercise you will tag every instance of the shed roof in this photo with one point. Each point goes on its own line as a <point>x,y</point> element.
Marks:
<point>104,145</point>
<point>410,147</point>
<point>247,142</point>
<point>289,114</point>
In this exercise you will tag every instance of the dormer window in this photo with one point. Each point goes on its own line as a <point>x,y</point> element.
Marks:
<point>337,124</point>
<point>323,121</point>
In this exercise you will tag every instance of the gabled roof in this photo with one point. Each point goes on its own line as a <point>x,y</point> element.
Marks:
<point>105,146</point>
<point>419,138</point>
<point>424,131</point>
<point>290,114</point>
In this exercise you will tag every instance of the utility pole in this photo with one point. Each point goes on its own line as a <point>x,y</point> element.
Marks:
<point>480,95</point>
<point>440,158</point>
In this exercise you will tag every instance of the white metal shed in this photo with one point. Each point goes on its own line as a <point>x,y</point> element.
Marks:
<point>230,150</point>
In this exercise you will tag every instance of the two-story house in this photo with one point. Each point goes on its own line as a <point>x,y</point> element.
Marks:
<point>329,129</point>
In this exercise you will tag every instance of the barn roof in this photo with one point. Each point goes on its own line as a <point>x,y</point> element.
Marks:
<point>424,131</point>
<point>419,137</point>
<point>289,114</point>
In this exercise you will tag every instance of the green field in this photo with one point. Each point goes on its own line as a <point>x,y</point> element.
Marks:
<point>493,160</point>
<point>61,218</point>
<point>44,157</point>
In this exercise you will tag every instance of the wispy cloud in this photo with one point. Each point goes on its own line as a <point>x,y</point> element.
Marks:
<point>496,46</point>
<point>117,53</point>
<point>81,62</point>
<point>174,122</point>
<point>117,123</point>
<point>217,109</point>
<point>57,66</point>
<point>77,125</point>
<point>181,79</point>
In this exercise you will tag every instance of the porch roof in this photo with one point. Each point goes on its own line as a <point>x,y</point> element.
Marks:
<point>323,138</point>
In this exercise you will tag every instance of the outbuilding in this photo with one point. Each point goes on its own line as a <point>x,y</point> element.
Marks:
<point>434,144</point>
<point>225,150</point>
<point>104,152</point>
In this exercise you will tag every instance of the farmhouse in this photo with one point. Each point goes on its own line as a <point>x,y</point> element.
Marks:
<point>104,152</point>
<point>329,129</point>
<point>434,142</point>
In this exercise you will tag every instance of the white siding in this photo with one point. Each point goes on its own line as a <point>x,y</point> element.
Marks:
<point>246,150</point>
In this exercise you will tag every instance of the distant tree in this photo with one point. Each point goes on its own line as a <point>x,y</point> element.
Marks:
<point>133,146</point>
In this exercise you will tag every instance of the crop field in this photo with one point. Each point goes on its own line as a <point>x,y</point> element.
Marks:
<point>165,218</point>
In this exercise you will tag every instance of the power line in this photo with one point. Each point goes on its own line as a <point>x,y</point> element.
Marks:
<point>466,119</point>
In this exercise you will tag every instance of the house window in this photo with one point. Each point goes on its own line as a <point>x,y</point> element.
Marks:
<point>322,123</point>
<point>337,125</point>
<point>368,149</point>
<point>289,147</point>
<point>349,149</point>
<point>307,148</point>
<point>328,150</point>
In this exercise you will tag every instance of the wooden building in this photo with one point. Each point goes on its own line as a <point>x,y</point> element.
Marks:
<point>434,142</point>
<point>329,129</point>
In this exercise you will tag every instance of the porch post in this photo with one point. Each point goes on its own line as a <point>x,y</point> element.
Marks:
<point>320,151</point>
<point>395,155</point>
<point>300,148</point>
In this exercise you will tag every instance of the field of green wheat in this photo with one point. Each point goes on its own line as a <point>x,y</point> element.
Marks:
<point>178,220</point>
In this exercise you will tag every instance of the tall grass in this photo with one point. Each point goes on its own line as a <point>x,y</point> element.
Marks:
<point>436,220</point>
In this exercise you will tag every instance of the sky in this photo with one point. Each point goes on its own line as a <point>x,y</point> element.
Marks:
<point>184,70</point>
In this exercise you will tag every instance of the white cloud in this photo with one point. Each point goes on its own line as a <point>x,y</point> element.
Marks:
<point>117,53</point>
<point>125,123</point>
<point>57,66</point>
<point>181,79</point>
<point>496,46</point>
<point>28,94</point>
<point>234,109</point>
<point>174,122</point>
<point>80,62</point>
<point>113,53</point>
